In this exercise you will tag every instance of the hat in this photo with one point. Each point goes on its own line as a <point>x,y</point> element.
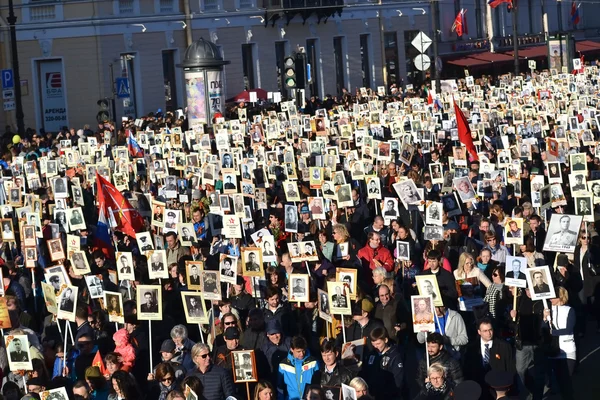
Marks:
<point>364,305</point>
<point>240,280</point>
<point>171,214</point>
<point>168,346</point>
<point>232,333</point>
<point>273,327</point>
<point>562,260</point>
<point>304,209</point>
<point>131,319</point>
<point>38,381</point>
<point>93,372</point>
<point>452,225</point>
<point>499,379</point>
<point>467,390</point>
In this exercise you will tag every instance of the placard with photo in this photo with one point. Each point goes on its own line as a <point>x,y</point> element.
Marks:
<point>195,308</point>
<point>113,303</point>
<point>55,249</point>
<point>157,264</point>
<point>193,271</point>
<point>349,278</point>
<point>562,233</point>
<point>80,263</point>
<point>144,241</point>
<point>149,302</point>
<point>423,313</point>
<point>67,303</point>
<point>339,298</point>
<point>428,286</point>
<point>19,356</point>
<point>211,286</point>
<point>513,231</point>
<point>244,366</point>
<point>539,281</point>
<point>323,303</point>
<point>95,287</point>
<point>252,262</point>
<point>228,269</point>
<point>299,288</point>
<point>124,265</point>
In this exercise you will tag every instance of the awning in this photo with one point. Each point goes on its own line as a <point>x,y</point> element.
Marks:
<point>493,57</point>
<point>468,62</point>
<point>531,52</point>
<point>587,45</point>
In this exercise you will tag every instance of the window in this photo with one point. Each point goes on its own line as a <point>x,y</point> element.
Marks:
<point>364,60</point>
<point>391,57</point>
<point>126,7</point>
<point>211,5</point>
<point>169,74</point>
<point>248,66</point>
<point>128,71</point>
<point>246,4</point>
<point>312,59</point>
<point>165,6</point>
<point>339,57</point>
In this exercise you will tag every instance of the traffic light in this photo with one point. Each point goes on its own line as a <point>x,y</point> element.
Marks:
<point>300,71</point>
<point>104,114</point>
<point>289,72</point>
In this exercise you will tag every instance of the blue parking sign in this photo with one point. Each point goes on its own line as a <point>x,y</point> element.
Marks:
<point>122,85</point>
<point>8,79</point>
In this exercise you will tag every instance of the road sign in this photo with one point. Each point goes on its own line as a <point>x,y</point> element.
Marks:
<point>8,79</point>
<point>422,62</point>
<point>122,88</point>
<point>532,64</point>
<point>9,105</point>
<point>8,94</point>
<point>421,42</point>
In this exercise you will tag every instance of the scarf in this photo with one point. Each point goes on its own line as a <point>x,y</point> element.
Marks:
<point>165,390</point>
<point>431,389</point>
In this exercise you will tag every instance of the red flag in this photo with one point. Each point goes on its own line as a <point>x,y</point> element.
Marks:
<point>458,24</point>
<point>464,132</point>
<point>114,205</point>
<point>429,97</point>
<point>97,362</point>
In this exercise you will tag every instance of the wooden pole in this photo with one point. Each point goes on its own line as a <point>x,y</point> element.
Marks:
<point>150,344</point>
<point>247,389</point>
<point>201,333</point>
<point>515,302</point>
<point>343,328</point>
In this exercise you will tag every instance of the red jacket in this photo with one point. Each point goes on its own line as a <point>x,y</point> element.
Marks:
<point>383,256</point>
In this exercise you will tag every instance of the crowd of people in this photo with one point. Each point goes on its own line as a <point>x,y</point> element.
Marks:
<point>364,247</point>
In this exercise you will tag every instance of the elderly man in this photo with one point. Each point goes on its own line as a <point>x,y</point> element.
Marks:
<point>216,381</point>
<point>392,311</point>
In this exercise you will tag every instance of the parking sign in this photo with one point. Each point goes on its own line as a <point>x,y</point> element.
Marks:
<point>8,79</point>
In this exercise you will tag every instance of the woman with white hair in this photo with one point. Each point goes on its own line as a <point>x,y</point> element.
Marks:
<point>361,387</point>
<point>436,385</point>
<point>183,346</point>
<point>379,275</point>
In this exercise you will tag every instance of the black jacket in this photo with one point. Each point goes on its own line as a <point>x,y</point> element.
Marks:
<point>453,369</point>
<point>447,286</point>
<point>339,375</point>
<point>284,316</point>
<point>501,359</point>
<point>384,373</point>
<point>529,322</point>
<point>355,331</point>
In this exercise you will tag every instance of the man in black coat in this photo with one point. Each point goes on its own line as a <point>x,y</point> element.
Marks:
<point>487,354</point>
<point>333,372</point>
<point>362,326</point>
<point>437,354</point>
<point>445,279</point>
<point>383,368</point>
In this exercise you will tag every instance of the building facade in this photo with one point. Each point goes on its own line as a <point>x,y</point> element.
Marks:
<point>72,52</point>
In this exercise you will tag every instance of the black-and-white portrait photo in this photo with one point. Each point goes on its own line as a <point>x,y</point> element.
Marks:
<point>291,218</point>
<point>433,233</point>
<point>563,232</point>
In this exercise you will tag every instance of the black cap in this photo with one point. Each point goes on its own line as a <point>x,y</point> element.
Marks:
<point>562,260</point>
<point>36,381</point>
<point>232,333</point>
<point>467,390</point>
<point>500,380</point>
<point>240,280</point>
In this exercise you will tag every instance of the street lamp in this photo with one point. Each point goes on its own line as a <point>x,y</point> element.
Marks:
<point>12,20</point>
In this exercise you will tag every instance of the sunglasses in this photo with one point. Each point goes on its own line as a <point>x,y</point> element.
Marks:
<point>229,323</point>
<point>584,237</point>
<point>167,379</point>
<point>203,356</point>
<point>495,275</point>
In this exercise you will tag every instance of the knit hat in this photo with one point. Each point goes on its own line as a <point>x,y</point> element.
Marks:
<point>93,372</point>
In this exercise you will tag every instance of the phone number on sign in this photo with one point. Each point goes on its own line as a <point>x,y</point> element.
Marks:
<point>50,118</point>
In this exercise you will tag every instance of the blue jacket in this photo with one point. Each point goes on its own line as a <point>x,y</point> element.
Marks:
<point>294,375</point>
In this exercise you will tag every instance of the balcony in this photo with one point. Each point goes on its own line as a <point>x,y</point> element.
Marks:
<point>288,9</point>
<point>212,5</point>
<point>42,12</point>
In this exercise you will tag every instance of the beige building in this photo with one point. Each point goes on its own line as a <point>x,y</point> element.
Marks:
<point>72,51</point>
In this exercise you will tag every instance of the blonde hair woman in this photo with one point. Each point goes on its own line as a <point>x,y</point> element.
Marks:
<point>468,270</point>
<point>361,387</point>
<point>345,248</point>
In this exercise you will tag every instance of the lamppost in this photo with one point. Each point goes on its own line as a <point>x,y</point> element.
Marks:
<point>12,20</point>
<point>515,36</point>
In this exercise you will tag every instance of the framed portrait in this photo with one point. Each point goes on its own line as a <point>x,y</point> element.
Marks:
<point>331,392</point>
<point>124,265</point>
<point>31,257</point>
<point>252,263</point>
<point>67,302</point>
<point>8,233</point>
<point>513,231</point>
<point>291,218</point>
<point>428,286</point>
<point>584,206</point>
<point>515,268</point>
<point>390,209</point>
<point>554,172</point>
<point>149,302</point>
<point>540,283</point>
<point>193,271</point>
<point>17,349</point>
<point>433,213</point>
<point>187,234</point>
<point>113,303</point>
<point>79,262</point>
<point>348,277</point>
<point>57,277</point>
<point>423,313</point>
<point>348,392</point>
<point>158,211</point>
<point>55,394</point>
<point>464,188</point>
<point>562,233</point>
<point>339,299</point>
<point>407,192</point>
<point>299,288</point>
<point>95,287</point>
<point>228,268</point>
<point>352,353</point>
<point>403,251</point>
<point>373,187</point>
<point>244,366</point>
<point>157,264</point>
<point>144,241</point>
<point>323,303</point>
<point>15,198</point>
<point>211,286</point>
<point>50,298</point>
<point>432,232</point>
<point>29,236</point>
<point>75,218</point>
<point>195,308</point>
<point>55,248</point>
<point>317,208</point>
<point>577,162</point>
<point>344,195</point>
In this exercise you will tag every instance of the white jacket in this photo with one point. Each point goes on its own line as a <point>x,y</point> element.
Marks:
<point>455,333</point>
